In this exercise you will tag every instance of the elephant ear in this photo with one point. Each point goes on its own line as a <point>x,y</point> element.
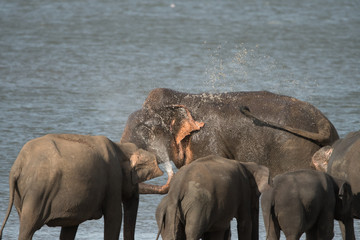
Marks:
<point>182,123</point>
<point>320,159</point>
<point>261,175</point>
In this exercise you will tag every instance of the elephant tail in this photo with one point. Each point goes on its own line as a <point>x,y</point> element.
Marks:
<point>271,216</point>
<point>321,138</point>
<point>172,212</point>
<point>161,223</point>
<point>267,205</point>
<point>12,182</point>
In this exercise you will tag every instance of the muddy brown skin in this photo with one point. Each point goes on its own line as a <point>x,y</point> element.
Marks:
<point>277,131</point>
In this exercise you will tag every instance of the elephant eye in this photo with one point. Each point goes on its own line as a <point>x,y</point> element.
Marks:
<point>183,112</point>
<point>145,132</point>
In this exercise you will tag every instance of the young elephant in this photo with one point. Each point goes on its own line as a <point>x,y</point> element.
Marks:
<point>307,201</point>
<point>207,194</point>
<point>64,180</point>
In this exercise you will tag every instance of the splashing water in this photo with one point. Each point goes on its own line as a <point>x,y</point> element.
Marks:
<point>241,68</point>
<point>168,168</point>
<point>162,153</point>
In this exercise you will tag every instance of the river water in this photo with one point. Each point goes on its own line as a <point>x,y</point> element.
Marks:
<point>82,66</point>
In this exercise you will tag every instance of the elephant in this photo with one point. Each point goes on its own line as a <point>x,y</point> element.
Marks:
<point>207,194</point>
<point>66,179</point>
<point>307,201</point>
<point>342,160</point>
<point>262,127</point>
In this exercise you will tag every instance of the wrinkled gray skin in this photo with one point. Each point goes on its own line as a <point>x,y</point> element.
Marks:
<point>277,131</point>
<point>342,160</point>
<point>307,201</point>
<point>207,194</point>
<point>64,180</point>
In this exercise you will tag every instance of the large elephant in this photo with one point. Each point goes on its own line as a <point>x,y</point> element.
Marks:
<point>64,180</point>
<point>207,194</point>
<point>342,160</point>
<point>307,201</point>
<point>279,132</point>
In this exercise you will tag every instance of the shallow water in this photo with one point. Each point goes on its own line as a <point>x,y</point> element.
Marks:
<point>84,66</point>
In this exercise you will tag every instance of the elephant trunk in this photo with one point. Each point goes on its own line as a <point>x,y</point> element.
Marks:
<point>145,188</point>
<point>347,229</point>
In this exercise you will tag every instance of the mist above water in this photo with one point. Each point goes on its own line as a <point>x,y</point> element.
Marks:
<point>242,68</point>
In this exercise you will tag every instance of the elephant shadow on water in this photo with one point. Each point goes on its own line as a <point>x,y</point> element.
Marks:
<point>65,179</point>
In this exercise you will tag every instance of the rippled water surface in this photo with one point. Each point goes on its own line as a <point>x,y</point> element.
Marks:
<point>82,66</point>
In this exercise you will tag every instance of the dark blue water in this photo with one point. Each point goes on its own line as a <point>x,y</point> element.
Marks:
<point>84,66</point>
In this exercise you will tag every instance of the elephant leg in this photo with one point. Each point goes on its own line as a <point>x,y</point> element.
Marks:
<point>130,213</point>
<point>196,222</point>
<point>245,223</point>
<point>227,235</point>
<point>112,219</point>
<point>347,228</point>
<point>30,220</point>
<point>244,228</point>
<point>272,227</point>
<point>325,226</point>
<point>342,229</point>
<point>219,235</point>
<point>68,233</point>
<point>194,230</point>
<point>312,234</point>
<point>271,223</point>
<point>112,224</point>
<point>293,225</point>
<point>294,237</point>
<point>294,234</point>
<point>27,227</point>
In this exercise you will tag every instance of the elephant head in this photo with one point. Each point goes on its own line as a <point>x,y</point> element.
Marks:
<point>143,163</point>
<point>165,131</point>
